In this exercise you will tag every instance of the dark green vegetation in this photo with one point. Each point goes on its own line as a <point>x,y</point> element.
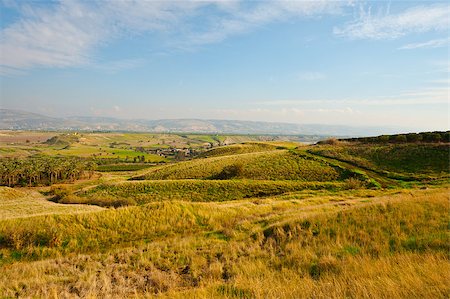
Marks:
<point>249,220</point>
<point>43,170</point>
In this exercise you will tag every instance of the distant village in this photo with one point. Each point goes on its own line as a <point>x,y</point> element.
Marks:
<point>175,153</point>
<point>172,152</point>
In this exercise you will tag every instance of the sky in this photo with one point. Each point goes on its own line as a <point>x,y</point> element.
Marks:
<point>359,63</point>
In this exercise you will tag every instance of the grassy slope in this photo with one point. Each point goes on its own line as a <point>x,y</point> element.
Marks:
<point>271,165</point>
<point>386,246</point>
<point>412,159</point>
<point>238,149</point>
<point>131,193</point>
<point>28,203</point>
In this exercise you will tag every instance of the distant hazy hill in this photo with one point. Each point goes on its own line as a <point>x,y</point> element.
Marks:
<point>20,120</point>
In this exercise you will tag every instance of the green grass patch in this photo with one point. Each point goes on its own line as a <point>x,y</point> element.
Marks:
<point>193,190</point>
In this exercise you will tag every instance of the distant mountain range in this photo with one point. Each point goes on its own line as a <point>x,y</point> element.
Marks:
<point>21,120</point>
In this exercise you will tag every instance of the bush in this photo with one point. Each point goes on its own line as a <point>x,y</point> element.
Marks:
<point>400,138</point>
<point>59,193</point>
<point>353,183</point>
<point>413,137</point>
<point>383,138</point>
<point>230,172</point>
<point>329,141</point>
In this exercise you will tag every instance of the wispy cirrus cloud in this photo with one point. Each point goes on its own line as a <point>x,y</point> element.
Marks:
<point>385,25</point>
<point>67,33</point>
<point>240,21</point>
<point>434,43</point>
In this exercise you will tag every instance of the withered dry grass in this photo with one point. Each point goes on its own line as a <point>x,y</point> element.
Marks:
<point>393,246</point>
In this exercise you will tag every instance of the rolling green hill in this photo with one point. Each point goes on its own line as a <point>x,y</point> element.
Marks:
<point>409,159</point>
<point>269,165</point>
<point>239,149</point>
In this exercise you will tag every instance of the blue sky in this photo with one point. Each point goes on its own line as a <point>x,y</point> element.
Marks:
<point>330,62</point>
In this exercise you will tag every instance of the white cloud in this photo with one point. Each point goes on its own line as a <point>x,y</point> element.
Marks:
<point>241,21</point>
<point>53,38</point>
<point>67,33</point>
<point>435,43</point>
<point>390,26</point>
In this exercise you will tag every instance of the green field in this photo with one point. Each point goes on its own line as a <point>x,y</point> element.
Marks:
<point>248,220</point>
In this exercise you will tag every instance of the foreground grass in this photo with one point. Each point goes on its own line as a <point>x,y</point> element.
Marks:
<point>355,244</point>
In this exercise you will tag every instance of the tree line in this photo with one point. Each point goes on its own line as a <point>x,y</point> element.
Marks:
<point>42,170</point>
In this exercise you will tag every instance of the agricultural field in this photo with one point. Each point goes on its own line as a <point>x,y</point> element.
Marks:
<point>245,218</point>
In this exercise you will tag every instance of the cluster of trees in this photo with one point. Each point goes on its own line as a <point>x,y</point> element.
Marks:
<point>43,170</point>
<point>429,137</point>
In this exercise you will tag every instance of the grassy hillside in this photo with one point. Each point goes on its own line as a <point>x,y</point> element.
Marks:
<point>20,204</point>
<point>391,246</point>
<point>131,193</point>
<point>239,149</point>
<point>414,159</point>
<point>272,165</point>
